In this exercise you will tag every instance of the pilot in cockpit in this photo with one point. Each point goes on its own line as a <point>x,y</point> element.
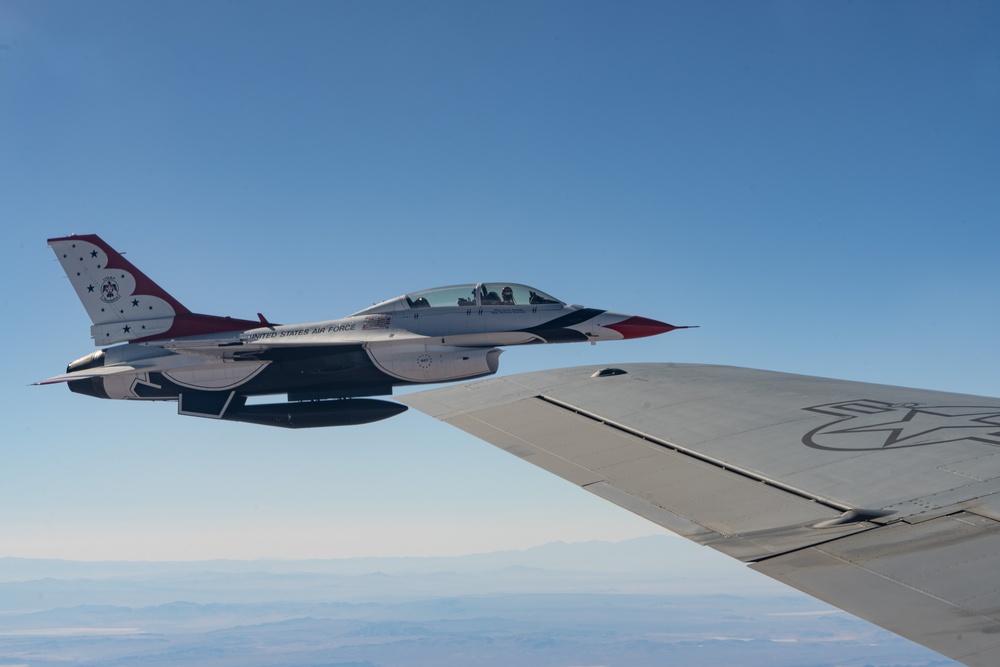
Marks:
<point>489,298</point>
<point>508,296</point>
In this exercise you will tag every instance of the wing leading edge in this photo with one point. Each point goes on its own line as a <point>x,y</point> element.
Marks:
<point>880,500</point>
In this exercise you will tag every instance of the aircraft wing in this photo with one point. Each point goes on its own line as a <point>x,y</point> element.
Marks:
<point>880,500</point>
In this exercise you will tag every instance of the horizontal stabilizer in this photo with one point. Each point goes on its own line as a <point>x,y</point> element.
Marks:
<point>102,371</point>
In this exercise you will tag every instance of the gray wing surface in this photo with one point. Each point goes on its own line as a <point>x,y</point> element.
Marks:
<point>880,500</point>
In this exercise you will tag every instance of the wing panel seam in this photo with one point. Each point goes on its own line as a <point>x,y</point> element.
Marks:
<point>832,504</point>
<point>882,575</point>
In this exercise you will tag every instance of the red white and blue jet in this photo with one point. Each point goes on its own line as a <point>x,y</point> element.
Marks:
<point>211,365</point>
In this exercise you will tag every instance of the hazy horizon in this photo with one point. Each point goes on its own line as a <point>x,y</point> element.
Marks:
<point>585,603</point>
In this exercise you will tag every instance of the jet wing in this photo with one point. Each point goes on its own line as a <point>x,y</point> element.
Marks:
<point>880,500</point>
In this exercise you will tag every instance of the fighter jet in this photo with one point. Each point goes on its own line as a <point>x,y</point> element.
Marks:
<point>211,365</point>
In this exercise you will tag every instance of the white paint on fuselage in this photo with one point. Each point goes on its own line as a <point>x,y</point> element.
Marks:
<point>474,325</point>
<point>414,362</point>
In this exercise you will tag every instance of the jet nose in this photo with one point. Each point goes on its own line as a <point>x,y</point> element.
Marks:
<point>640,327</point>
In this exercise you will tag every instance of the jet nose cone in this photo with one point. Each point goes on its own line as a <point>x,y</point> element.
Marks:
<point>640,327</point>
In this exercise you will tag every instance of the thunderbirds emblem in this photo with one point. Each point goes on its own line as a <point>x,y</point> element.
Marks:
<point>866,425</point>
<point>109,290</point>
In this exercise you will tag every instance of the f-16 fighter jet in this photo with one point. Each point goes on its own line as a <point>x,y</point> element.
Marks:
<point>211,365</point>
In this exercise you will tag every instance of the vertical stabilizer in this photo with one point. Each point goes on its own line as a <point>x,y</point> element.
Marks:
<point>123,303</point>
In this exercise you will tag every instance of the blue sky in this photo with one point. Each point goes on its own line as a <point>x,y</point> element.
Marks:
<point>816,184</point>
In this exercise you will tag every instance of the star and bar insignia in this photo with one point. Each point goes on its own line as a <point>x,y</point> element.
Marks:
<point>866,425</point>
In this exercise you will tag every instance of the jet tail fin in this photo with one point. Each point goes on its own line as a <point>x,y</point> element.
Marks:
<point>123,303</point>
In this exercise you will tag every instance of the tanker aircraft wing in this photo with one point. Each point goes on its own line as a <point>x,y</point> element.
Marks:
<point>880,500</point>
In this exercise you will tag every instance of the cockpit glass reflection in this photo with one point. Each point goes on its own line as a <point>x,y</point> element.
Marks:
<point>482,294</point>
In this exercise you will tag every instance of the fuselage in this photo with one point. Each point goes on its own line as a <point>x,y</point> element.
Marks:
<point>418,338</point>
<point>154,348</point>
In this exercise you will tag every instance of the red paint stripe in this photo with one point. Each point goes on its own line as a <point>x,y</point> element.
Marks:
<point>144,285</point>
<point>196,324</point>
<point>640,327</point>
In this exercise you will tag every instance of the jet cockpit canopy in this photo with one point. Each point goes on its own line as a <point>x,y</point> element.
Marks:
<point>481,294</point>
<point>497,294</point>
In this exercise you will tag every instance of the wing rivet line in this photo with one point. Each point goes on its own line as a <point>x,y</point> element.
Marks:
<point>832,504</point>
